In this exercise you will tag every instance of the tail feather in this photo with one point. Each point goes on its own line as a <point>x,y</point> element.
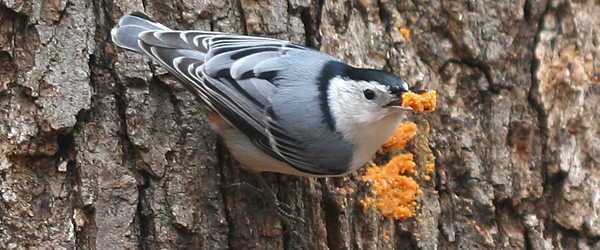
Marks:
<point>178,51</point>
<point>126,33</point>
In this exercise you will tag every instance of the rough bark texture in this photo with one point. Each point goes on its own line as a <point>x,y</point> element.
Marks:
<point>102,149</point>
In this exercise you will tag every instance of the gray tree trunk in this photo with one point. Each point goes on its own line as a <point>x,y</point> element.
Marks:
<point>102,149</point>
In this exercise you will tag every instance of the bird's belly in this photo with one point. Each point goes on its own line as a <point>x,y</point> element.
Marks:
<point>252,158</point>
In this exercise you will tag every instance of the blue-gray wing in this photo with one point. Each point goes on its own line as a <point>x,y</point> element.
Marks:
<point>239,76</point>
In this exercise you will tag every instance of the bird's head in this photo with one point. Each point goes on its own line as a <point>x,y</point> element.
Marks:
<point>365,95</point>
<point>366,108</point>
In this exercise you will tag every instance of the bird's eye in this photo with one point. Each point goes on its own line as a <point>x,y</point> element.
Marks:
<point>369,94</point>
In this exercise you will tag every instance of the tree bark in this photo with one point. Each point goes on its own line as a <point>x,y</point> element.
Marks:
<point>101,148</point>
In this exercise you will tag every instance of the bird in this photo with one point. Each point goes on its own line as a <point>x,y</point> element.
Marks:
<point>278,106</point>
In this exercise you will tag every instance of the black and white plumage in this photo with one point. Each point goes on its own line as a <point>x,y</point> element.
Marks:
<point>280,107</point>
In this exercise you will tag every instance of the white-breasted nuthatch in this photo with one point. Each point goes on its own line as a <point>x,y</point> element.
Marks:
<point>279,107</point>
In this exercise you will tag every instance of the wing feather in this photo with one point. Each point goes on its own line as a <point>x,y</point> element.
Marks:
<point>244,67</point>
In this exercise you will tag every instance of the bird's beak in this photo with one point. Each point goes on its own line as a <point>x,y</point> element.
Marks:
<point>396,92</point>
<point>395,103</point>
<point>396,95</point>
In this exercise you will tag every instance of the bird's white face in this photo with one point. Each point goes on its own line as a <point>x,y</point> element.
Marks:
<point>366,113</point>
<point>360,102</point>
